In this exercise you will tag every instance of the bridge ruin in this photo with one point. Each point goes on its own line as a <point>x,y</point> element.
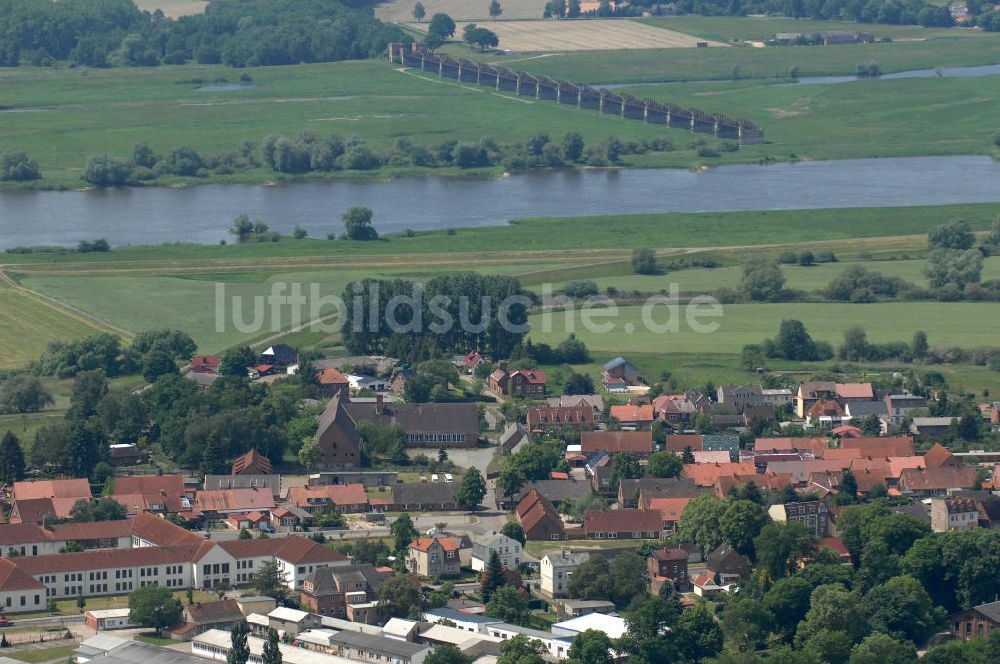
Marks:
<point>602,100</point>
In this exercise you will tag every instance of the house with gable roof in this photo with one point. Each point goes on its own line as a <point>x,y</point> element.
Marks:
<point>618,375</point>
<point>433,557</point>
<point>539,518</point>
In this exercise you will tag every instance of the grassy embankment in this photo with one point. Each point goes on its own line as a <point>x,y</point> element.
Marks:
<point>133,287</point>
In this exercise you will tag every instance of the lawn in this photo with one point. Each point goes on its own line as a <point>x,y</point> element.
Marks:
<point>947,324</point>
<point>684,64</point>
<point>152,639</point>
<point>43,654</point>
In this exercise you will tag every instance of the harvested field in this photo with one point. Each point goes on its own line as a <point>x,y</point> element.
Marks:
<point>401,11</point>
<point>589,35</point>
<point>173,8</point>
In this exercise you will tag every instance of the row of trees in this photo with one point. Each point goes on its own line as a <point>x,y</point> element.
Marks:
<point>153,353</point>
<point>106,33</point>
<point>103,170</point>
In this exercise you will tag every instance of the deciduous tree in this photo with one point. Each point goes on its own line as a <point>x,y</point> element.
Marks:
<point>154,607</point>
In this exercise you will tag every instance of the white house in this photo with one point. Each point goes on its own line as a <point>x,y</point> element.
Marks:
<point>483,548</point>
<point>556,569</point>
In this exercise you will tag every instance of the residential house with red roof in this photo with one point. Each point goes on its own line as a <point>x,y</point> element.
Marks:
<point>633,417</point>
<point>639,443</point>
<point>674,409</point>
<point>622,524</point>
<point>160,494</point>
<point>520,382</point>
<point>705,474</point>
<point>814,446</point>
<point>936,481</point>
<point>340,498</point>
<point>725,484</point>
<point>36,501</point>
<point>220,504</point>
<point>939,456</point>
<point>670,510</point>
<point>206,363</point>
<point>332,382</point>
<point>539,518</point>
<point>471,361</point>
<point>434,557</point>
<point>897,446</point>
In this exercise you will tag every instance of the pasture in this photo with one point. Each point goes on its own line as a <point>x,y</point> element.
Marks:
<point>28,324</point>
<point>589,35</point>
<point>946,323</point>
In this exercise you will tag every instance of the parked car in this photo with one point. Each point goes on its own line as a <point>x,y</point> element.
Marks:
<point>6,623</point>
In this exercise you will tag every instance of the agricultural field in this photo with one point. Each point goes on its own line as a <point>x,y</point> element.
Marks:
<point>401,11</point>
<point>590,35</point>
<point>755,28</point>
<point>173,8</point>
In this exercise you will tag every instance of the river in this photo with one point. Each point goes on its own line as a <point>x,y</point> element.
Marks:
<point>943,72</point>
<point>202,214</point>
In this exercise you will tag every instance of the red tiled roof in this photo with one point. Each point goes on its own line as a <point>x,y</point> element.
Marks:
<point>533,376</point>
<point>705,474</point>
<point>233,499</point>
<point>34,489</point>
<point>826,408</point>
<point>937,479</point>
<point>854,391</point>
<point>293,548</point>
<point>622,521</point>
<point>155,489</point>
<point>108,558</point>
<point>678,442</point>
<point>640,442</point>
<point>848,431</point>
<point>12,578</point>
<point>336,494</point>
<point>815,445</point>
<point>331,376</point>
<point>205,362</point>
<point>667,553</point>
<point>558,476</point>
<point>423,543</point>
<point>252,463</point>
<point>770,481</point>
<point>669,508</point>
<point>884,447</point>
<point>161,532</point>
<point>630,413</point>
<point>939,456</point>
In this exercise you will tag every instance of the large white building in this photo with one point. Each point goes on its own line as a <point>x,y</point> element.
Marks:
<point>153,552</point>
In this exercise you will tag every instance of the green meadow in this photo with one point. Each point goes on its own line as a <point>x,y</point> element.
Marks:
<point>947,324</point>
<point>699,64</point>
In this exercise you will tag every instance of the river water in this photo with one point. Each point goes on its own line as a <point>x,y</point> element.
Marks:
<point>945,72</point>
<point>202,214</point>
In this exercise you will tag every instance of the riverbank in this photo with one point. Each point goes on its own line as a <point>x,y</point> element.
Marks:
<point>87,111</point>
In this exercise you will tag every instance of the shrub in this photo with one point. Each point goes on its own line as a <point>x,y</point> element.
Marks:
<point>643,261</point>
<point>580,288</point>
<point>104,171</point>
<point>17,166</point>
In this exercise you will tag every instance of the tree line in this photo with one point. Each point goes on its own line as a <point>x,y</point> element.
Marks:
<point>239,33</point>
<point>309,153</point>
